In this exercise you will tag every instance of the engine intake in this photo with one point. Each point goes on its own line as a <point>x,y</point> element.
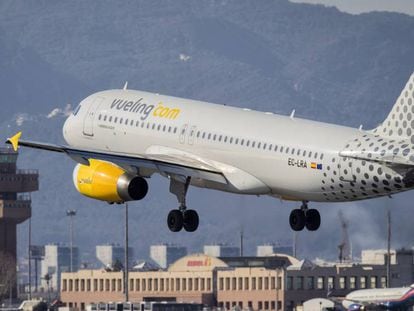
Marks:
<point>108,182</point>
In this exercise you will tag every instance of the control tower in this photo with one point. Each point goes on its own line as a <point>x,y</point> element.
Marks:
<point>15,188</point>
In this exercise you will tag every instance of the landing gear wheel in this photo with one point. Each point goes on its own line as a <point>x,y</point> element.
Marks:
<point>175,220</point>
<point>190,220</point>
<point>297,220</point>
<point>313,220</point>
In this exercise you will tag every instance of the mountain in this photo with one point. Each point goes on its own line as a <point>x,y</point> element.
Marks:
<point>271,55</point>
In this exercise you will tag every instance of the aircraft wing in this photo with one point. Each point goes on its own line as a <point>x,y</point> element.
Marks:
<point>168,165</point>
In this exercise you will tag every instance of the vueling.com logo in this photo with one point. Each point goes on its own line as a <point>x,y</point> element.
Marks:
<point>145,110</point>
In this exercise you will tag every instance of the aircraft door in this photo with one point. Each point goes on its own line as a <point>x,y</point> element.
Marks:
<point>90,116</point>
<point>183,132</point>
<point>346,170</point>
<point>192,134</point>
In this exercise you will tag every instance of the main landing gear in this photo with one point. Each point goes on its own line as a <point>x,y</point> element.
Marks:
<point>304,217</point>
<point>181,217</point>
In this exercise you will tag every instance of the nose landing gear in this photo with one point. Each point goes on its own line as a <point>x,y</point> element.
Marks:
<point>304,217</point>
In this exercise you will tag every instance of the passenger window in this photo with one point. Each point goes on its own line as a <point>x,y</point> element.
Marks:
<point>99,118</point>
<point>304,153</point>
<point>270,147</point>
<point>287,150</point>
<point>253,143</point>
<point>248,143</point>
<point>258,145</point>
<point>321,156</point>
<point>310,154</point>
<point>275,148</point>
<point>198,134</point>
<point>159,127</point>
<point>281,149</point>
<point>153,126</point>
<point>120,120</point>
<point>142,124</point>
<point>131,123</point>
<point>316,155</point>
<point>137,123</point>
<point>214,137</point>
<point>293,151</point>
<point>126,121</point>
<point>204,135</point>
<point>148,125</point>
<point>169,129</point>
<point>264,146</point>
<point>237,141</point>
<point>209,136</point>
<point>298,152</point>
<point>164,128</point>
<point>225,139</point>
<point>104,118</point>
<point>220,137</point>
<point>231,140</point>
<point>175,130</point>
<point>110,119</point>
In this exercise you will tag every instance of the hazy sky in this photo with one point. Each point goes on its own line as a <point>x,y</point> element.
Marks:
<point>360,6</point>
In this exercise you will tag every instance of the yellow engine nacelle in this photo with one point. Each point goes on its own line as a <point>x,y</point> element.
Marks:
<point>106,181</point>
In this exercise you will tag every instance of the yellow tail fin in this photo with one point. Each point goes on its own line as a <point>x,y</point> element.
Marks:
<point>14,141</point>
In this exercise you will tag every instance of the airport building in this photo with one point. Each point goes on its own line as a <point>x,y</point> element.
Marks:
<point>15,207</point>
<point>278,282</point>
<point>165,254</point>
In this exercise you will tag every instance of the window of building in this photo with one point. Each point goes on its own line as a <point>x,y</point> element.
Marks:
<point>240,284</point>
<point>373,282</point>
<point>273,305</point>
<point>320,284</point>
<point>246,283</point>
<point>289,283</point>
<point>253,283</point>
<point>266,283</point>
<point>95,285</point>
<point>260,283</point>
<point>279,305</point>
<point>190,284</point>
<point>172,284</point>
<point>299,282</point>
<point>310,281</point>
<point>184,284</point>
<point>331,282</point>
<point>177,284</point>
<point>342,282</point>
<point>352,282</point>
<point>137,284</point>
<point>208,284</point>
<point>196,280</point>
<point>227,283</point>
<point>233,283</point>
<point>273,282</point>
<point>119,287</point>
<point>221,283</point>
<point>107,285</point>
<point>144,285</point>
<point>101,285</point>
<point>363,282</point>
<point>202,284</point>
<point>65,284</point>
<point>260,305</point>
<point>150,284</point>
<point>88,285</point>
<point>279,282</point>
<point>383,282</point>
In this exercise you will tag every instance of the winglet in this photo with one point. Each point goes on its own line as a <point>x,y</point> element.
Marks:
<point>14,141</point>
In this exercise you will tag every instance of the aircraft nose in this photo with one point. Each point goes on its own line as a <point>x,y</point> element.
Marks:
<point>66,129</point>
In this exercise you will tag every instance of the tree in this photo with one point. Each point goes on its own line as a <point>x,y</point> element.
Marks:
<point>7,274</point>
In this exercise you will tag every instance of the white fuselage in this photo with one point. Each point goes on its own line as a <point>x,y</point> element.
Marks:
<point>287,157</point>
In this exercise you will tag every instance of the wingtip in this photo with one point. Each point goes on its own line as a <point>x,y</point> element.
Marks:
<point>14,140</point>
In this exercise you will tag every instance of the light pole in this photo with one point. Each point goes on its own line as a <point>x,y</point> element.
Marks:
<point>71,213</point>
<point>126,284</point>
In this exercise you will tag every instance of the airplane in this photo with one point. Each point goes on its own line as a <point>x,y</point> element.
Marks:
<point>398,299</point>
<point>120,138</point>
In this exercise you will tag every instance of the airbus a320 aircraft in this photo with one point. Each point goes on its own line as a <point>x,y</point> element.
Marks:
<point>120,138</point>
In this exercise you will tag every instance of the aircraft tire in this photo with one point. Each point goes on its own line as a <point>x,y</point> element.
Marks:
<point>191,220</point>
<point>313,220</point>
<point>297,220</point>
<point>175,220</point>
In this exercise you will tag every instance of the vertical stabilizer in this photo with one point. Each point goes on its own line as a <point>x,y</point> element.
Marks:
<point>400,121</point>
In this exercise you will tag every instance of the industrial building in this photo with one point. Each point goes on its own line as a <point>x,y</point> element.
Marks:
<point>15,204</point>
<point>57,259</point>
<point>110,253</point>
<point>221,250</point>
<point>278,282</point>
<point>165,254</point>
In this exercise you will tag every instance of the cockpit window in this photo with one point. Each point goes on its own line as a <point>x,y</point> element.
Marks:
<point>75,112</point>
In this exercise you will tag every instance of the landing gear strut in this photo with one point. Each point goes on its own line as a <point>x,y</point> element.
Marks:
<point>181,217</point>
<point>304,217</point>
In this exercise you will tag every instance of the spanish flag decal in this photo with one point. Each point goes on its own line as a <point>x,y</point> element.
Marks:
<point>316,166</point>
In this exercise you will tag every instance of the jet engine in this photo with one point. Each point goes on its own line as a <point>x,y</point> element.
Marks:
<point>108,182</point>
